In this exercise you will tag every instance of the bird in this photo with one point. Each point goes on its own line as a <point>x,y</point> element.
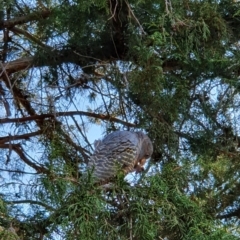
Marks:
<point>119,150</point>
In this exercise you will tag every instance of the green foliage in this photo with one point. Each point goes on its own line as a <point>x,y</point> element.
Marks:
<point>70,69</point>
<point>7,235</point>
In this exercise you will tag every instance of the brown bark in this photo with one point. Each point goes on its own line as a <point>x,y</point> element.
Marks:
<point>45,13</point>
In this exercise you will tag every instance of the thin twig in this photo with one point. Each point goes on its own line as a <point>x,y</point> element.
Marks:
<point>133,15</point>
<point>6,75</point>
<point>114,12</point>
<point>131,228</point>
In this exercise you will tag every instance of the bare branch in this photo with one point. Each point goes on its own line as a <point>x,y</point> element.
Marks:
<point>235,213</point>
<point>70,113</point>
<point>16,65</point>
<point>24,19</point>
<point>31,202</point>
<point>19,137</point>
<point>16,171</point>
<point>19,151</point>
<point>29,36</point>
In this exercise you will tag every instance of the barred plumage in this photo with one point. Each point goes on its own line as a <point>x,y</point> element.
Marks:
<point>119,150</point>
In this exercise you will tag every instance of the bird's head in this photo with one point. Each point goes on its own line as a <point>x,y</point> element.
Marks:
<point>146,150</point>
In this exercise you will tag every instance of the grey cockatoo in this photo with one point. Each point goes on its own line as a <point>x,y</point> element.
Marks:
<point>119,150</point>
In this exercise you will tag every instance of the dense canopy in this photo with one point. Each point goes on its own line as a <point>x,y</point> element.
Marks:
<point>72,71</point>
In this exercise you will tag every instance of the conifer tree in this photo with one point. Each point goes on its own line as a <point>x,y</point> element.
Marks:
<point>72,71</point>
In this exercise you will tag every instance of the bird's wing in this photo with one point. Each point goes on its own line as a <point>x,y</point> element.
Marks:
<point>113,153</point>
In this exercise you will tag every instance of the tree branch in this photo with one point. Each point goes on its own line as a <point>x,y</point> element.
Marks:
<point>31,202</point>
<point>58,57</point>
<point>235,213</point>
<point>18,137</point>
<point>70,113</point>
<point>19,151</point>
<point>16,171</point>
<point>29,36</point>
<point>16,65</point>
<point>25,19</point>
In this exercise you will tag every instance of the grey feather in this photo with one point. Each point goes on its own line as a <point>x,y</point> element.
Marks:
<point>121,149</point>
